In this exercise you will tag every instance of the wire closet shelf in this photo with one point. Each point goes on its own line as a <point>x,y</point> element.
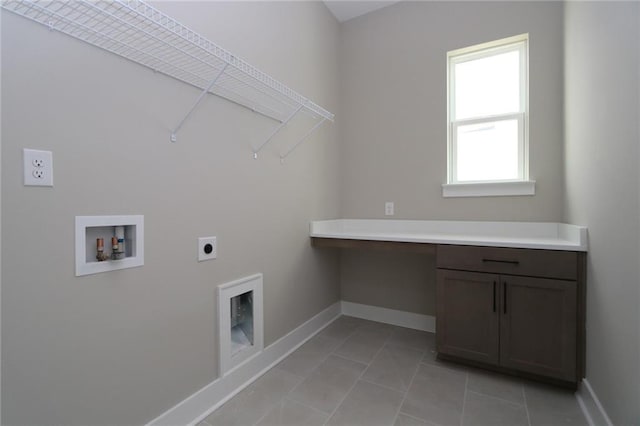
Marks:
<point>141,33</point>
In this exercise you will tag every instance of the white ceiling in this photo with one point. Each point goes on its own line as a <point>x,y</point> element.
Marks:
<point>344,10</point>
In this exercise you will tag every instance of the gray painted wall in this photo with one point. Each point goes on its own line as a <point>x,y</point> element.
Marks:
<point>393,94</point>
<point>602,111</point>
<point>393,88</point>
<point>123,347</point>
<point>401,281</point>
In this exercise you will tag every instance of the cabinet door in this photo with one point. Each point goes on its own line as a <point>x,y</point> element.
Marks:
<point>538,326</point>
<point>467,315</point>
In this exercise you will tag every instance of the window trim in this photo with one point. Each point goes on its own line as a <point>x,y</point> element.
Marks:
<point>489,189</point>
<point>518,116</point>
<point>521,43</point>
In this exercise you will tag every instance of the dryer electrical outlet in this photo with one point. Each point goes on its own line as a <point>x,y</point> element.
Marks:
<point>207,248</point>
<point>38,167</point>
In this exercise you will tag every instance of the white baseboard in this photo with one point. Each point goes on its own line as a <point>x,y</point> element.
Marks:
<point>591,406</point>
<point>390,316</point>
<point>198,406</point>
<point>202,403</point>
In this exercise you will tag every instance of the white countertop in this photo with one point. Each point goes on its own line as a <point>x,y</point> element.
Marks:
<point>535,235</point>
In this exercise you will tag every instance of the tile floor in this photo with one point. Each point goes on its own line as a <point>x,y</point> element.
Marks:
<point>358,372</point>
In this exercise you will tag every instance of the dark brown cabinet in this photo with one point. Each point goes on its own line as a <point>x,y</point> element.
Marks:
<point>518,310</point>
<point>467,322</point>
<point>538,326</point>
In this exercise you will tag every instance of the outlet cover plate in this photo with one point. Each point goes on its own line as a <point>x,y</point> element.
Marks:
<point>38,167</point>
<point>389,208</point>
<point>207,248</point>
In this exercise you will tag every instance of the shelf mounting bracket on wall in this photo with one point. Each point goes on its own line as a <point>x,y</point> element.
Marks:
<point>139,32</point>
<point>302,139</point>
<point>275,132</point>
<point>196,103</point>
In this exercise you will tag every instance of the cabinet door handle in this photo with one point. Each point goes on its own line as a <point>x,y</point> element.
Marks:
<point>510,262</point>
<point>504,301</point>
<point>494,296</point>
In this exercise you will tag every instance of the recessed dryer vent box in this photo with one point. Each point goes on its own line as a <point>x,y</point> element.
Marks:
<point>240,322</point>
<point>90,228</point>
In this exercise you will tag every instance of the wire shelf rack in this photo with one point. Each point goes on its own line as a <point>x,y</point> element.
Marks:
<point>143,34</point>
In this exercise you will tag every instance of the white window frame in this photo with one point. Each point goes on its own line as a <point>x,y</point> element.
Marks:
<point>522,185</point>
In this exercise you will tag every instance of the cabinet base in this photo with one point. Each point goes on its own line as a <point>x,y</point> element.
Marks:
<point>543,379</point>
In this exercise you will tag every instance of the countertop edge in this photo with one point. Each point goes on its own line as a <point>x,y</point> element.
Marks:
<point>559,244</point>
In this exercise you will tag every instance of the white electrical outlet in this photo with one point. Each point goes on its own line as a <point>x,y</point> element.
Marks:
<point>389,208</point>
<point>207,248</point>
<point>38,167</point>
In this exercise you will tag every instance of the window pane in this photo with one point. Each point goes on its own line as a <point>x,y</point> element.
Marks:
<point>487,86</point>
<point>487,151</point>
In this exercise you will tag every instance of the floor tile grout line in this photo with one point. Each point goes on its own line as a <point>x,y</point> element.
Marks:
<point>332,352</point>
<point>428,422</point>
<point>304,378</point>
<point>317,410</point>
<point>478,392</point>
<point>386,344</point>
<point>464,397</point>
<point>443,367</point>
<point>585,410</point>
<point>368,364</point>
<point>351,388</point>
<point>277,367</point>
<point>497,398</point>
<point>390,347</point>
<point>346,358</point>
<point>407,347</point>
<point>382,386</point>
<point>267,413</point>
<point>415,373</point>
<point>275,405</point>
<point>399,345</point>
<point>526,405</point>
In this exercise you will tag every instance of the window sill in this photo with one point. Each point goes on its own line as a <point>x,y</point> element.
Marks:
<point>489,189</point>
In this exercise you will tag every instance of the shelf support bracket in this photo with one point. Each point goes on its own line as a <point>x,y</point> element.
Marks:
<point>302,139</point>
<point>277,129</point>
<point>174,138</point>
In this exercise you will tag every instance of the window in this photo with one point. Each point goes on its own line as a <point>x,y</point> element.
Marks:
<point>487,119</point>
